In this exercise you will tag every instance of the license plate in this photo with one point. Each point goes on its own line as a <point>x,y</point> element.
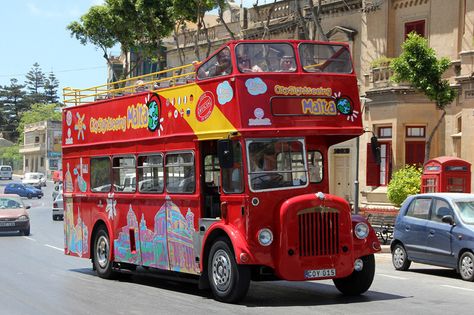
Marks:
<point>7,223</point>
<point>320,273</point>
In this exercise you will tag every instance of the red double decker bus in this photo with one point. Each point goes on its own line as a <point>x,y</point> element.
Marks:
<point>219,170</point>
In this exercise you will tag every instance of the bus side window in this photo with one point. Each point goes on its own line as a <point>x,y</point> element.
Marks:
<point>179,170</point>
<point>100,180</point>
<point>232,178</point>
<point>124,174</point>
<point>150,174</point>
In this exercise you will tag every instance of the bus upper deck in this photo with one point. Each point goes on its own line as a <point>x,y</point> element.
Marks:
<point>245,86</point>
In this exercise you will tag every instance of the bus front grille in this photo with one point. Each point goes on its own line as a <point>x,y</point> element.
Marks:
<point>318,233</point>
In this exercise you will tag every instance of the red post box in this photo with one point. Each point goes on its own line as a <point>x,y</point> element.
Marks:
<point>446,174</point>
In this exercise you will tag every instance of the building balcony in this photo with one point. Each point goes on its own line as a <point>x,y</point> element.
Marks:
<point>33,148</point>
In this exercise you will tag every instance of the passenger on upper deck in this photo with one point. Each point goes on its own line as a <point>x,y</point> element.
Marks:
<point>243,62</point>
<point>287,64</point>
<point>223,65</point>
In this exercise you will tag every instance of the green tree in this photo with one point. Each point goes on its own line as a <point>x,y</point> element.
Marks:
<point>137,25</point>
<point>404,182</point>
<point>13,103</point>
<point>51,88</point>
<point>11,156</point>
<point>419,65</point>
<point>35,83</point>
<point>37,113</point>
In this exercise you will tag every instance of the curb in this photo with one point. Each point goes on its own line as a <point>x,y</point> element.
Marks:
<point>385,249</point>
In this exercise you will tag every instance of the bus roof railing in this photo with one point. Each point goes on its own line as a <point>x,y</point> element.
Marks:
<point>147,82</point>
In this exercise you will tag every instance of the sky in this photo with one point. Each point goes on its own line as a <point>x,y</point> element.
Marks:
<point>35,31</point>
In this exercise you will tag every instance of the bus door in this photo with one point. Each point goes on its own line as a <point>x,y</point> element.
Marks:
<point>232,197</point>
<point>210,180</point>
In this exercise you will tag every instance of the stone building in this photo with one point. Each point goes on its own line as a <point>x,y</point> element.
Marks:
<point>42,147</point>
<point>401,117</point>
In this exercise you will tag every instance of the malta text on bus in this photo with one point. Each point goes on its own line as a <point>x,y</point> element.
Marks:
<point>219,170</point>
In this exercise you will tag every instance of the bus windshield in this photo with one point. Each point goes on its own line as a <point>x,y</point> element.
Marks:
<point>325,58</point>
<point>276,163</point>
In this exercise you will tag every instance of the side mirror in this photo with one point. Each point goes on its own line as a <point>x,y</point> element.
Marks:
<point>375,149</point>
<point>224,151</point>
<point>27,207</point>
<point>448,219</point>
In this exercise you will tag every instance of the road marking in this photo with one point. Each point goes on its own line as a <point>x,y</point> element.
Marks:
<point>393,277</point>
<point>54,247</point>
<point>29,238</point>
<point>453,287</point>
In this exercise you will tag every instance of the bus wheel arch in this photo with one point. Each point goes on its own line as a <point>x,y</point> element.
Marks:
<point>101,235</point>
<point>228,280</point>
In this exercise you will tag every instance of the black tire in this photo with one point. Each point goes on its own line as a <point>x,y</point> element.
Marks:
<point>102,264</point>
<point>29,196</point>
<point>26,231</point>
<point>229,281</point>
<point>359,281</point>
<point>55,218</point>
<point>400,258</point>
<point>466,266</point>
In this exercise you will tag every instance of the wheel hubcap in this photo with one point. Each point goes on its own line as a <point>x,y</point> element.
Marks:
<point>102,251</point>
<point>398,257</point>
<point>221,270</point>
<point>467,267</point>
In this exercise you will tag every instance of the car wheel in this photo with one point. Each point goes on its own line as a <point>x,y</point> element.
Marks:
<point>466,266</point>
<point>399,258</point>
<point>54,218</point>
<point>229,281</point>
<point>29,196</point>
<point>359,281</point>
<point>102,264</point>
<point>26,231</point>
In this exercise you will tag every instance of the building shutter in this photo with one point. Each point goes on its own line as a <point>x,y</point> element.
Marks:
<point>372,168</point>
<point>415,152</point>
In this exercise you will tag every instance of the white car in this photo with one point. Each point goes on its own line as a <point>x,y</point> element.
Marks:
<point>34,179</point>
<point>58,208</point>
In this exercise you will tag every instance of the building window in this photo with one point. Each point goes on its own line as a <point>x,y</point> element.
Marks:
<point>385,132</point>
<point>42,162</point>
<point>379,174</point>
<point>26,162</point>
<point>415,132</point>
<point>417,27</point>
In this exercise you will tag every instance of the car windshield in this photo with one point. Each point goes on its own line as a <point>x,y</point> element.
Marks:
<point>325,58</point>
<point>265,57</point>
<point>466,211</point>
<point>10,203</point>
<point>276,163</point>
<point>31,176</point>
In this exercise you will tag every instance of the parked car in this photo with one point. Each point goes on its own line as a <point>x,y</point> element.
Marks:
<point>13,214</point>
<point>23,190</point>
<point>58,189</point>
<point>33,179</point>
<point>58,208</point>
<point>6,172</point>
<point>436,229</point>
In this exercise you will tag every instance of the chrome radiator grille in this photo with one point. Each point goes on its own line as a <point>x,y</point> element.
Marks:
<point>318,233</point>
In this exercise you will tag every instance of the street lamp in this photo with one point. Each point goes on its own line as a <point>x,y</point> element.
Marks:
<point>363,100</point>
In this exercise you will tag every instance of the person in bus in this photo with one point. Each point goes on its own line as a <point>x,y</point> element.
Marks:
<point>243,62</point>
<point>287,64</point>
<point>223,65</point>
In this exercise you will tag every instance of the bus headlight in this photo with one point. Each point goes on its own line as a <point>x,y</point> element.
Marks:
<point>265,237</point>
<point>361,230</point>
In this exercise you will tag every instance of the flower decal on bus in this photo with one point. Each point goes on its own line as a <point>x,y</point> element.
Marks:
<point>80,126</point>
<point>224,92</point>
<point>256,86</point>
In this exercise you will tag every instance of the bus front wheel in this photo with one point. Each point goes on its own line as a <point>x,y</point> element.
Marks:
<point>102,264</point>
<point>359,281</point>
<point>229,281</point>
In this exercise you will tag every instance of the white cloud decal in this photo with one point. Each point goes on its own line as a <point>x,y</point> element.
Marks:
<point>224,92</point>
<point>256,86</point>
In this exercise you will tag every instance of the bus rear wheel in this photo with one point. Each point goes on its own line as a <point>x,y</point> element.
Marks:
<point>359,281</point>
<point>229,281</point>
<point>102,264</point>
